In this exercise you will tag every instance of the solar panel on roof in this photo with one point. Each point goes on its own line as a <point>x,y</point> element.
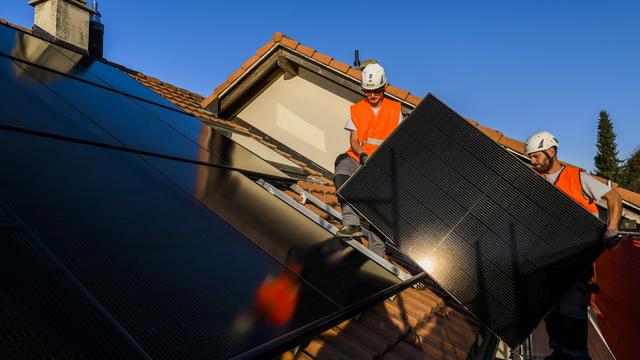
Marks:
<point>265,153</point>
<point>43,315</point>
<point>32,50</point>
<point>496,236</point>
<point>183,279</point>
<point>52,103</point>
<point>163,257</point>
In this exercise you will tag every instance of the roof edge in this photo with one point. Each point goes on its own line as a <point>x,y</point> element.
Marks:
<point>281,40</point>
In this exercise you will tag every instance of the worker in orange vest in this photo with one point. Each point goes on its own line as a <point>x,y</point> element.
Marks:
<point>371,121</point>
<point>567,323</point>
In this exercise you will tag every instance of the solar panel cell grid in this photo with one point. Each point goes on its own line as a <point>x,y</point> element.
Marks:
<point>496,236</point>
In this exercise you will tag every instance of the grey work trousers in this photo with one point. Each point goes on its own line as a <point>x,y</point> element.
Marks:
<point>346,165</point>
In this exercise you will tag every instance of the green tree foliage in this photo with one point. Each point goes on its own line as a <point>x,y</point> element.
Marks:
<point>606,159</point>
<point>630,174</point>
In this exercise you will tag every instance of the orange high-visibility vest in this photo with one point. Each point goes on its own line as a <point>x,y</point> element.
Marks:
<point>373,129</point>
<point>569,182</point>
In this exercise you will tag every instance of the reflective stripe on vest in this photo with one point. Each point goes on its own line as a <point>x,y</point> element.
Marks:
<point>373,129</point>
<point>569,182</point>
<point>374,141</point>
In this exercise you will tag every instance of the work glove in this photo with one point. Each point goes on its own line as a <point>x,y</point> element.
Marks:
<point>611,238</point>
<point>363,158</point>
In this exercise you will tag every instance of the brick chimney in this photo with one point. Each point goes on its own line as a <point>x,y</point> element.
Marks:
<point>63,20</point>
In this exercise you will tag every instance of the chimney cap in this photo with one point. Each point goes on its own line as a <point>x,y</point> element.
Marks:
<point>79,3</point>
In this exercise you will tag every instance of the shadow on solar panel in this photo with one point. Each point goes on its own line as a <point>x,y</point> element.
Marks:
<point>495,235</point>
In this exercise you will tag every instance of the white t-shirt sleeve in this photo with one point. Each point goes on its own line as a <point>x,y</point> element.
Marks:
<point>401,118</point>
<point>350,125</point>
<point>591,187</point>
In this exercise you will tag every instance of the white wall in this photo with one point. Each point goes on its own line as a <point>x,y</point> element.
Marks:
<point>306,113</point>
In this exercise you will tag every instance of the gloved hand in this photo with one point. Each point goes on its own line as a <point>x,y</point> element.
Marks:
<point>363,158</point>
<point>610,238</point>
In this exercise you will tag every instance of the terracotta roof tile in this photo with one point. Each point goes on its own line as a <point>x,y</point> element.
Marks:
<point>318,348</point>
<point>362,332</point>
<point>347,344</point>
<point>314,172</point>
<point>339,65</point>
<point>290,43</point>
<point>391,316</point>
<point>397,92</point>
<point>235,75</point>
<point>325,59</point>
<point>265,48</point>
<point>629,196</point>
<point>277,36</point>
<point>404,351</point>
<point>219,89</point>
<point>439,327</point>
<point>354,73</point>
<point>493,134</point>
<point>388,329</point>
<point>415,100</point>
<point>305,50</point>
<point>252,60</point>
<point>512,144</point>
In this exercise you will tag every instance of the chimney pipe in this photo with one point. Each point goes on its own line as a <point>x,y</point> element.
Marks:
<point>356,62</point>
<point>96,33</point>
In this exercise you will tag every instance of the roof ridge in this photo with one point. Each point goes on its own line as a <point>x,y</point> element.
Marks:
<point>280,39</point>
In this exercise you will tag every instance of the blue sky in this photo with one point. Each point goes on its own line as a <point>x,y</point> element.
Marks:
<point>516,66</point>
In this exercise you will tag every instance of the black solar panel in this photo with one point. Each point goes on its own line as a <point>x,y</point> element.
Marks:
<point>113,250</point>
<point>32,50</point>
<point>48,102</point>
<point>42,314</point>
<point>496,236</point>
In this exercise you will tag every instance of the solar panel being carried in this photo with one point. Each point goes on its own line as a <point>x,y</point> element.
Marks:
<point>129,234</point>
<point>499,238</point>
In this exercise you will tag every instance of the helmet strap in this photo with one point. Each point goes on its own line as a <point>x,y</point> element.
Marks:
<point>548,158</point>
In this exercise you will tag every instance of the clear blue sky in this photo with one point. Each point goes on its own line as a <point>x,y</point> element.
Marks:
<point>515,66</point>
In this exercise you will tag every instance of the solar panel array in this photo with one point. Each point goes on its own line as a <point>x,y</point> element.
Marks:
<point>127,234</point>
<point>499,238</point>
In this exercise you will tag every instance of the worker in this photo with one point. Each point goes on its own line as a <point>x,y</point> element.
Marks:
<point>371,121</point>
<point>567,323</point>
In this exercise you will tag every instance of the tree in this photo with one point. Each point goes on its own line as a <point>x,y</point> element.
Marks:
<point>606,159</point>
<point>630,174</point>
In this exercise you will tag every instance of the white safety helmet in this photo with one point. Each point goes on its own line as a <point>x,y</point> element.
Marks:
<point>373,77</point>
<point>540,141</point>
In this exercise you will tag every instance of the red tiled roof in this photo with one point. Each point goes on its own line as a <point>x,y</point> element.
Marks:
<point>280,39</point>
